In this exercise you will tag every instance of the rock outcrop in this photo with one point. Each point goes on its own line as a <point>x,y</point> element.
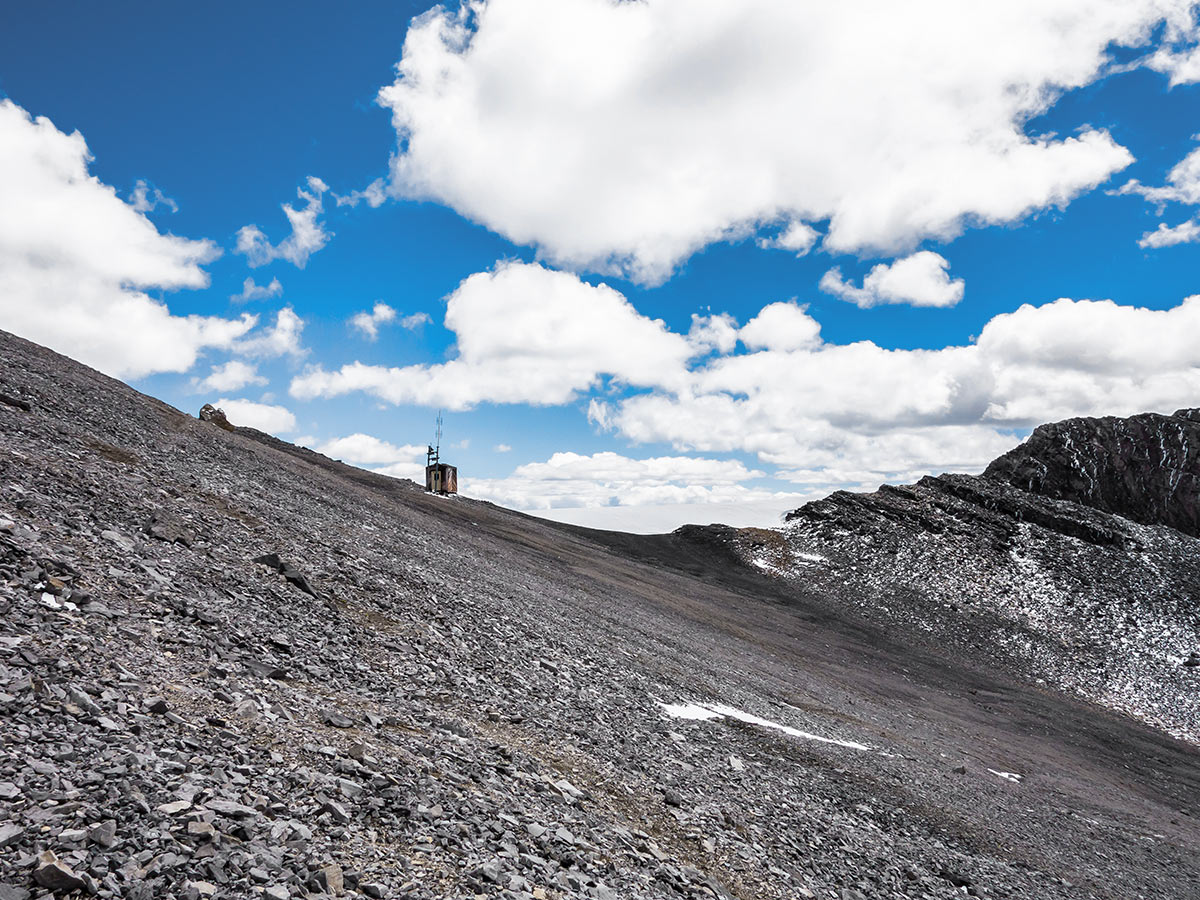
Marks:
<point>210,413</point>
<point>1145,468</point>
<point>1072,559</point>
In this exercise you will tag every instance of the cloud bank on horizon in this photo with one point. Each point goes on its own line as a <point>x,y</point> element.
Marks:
<point>615,142</point>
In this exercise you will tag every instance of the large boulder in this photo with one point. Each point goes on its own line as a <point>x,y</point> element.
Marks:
<point>209,413</point>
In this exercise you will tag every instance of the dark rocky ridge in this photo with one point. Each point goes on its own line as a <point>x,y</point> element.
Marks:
<point>1072,560</point>
<point>1145,468</point>
<point>466,704</point>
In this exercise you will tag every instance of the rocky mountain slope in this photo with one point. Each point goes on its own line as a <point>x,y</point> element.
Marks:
<point>233,668</point>
<point>1073,561</point>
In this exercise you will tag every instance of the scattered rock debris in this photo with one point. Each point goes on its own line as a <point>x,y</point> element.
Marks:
<point>483,722</point>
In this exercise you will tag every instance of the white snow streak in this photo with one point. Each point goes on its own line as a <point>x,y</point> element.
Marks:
<point>1008,776</point>
<point>708,711</point>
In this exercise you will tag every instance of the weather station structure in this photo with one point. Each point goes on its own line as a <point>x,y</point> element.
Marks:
<point>440,478</point>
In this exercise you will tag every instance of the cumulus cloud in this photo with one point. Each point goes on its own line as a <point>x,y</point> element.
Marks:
<point>75,261</point>
<point>1183,184</point>
<point>610,479</point>
<point>1177,55</point>
<point>231,376</point>
<point>282,339</point>
<point>714,332</point>
<point>263,416</point>
<point>146,198</point>
<point>825,414</point>
<point>251,291</point>
<point>368,322</point>
<point>672,124</point>
<point>366,449</point>
<point>781,326</point>
<point>858,415</point>
<point>1169,235</point>
<point>502,448</point>
<point>374,195</point>
<point>797,237</point>
<point>921,279</point>
<point>307,237</point>
<point>382,314</point>
<point>525,334</point>
<point>609,490</point>
<point>370,452</point>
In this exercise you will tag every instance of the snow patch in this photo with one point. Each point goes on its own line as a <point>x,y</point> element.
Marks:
<point>708,711</point>
<point>1008,776</point>
<point>690,711</point>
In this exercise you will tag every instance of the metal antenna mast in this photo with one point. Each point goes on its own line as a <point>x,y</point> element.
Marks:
<point>434,454</point>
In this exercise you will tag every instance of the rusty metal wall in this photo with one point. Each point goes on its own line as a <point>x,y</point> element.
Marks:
<point>441,478</point>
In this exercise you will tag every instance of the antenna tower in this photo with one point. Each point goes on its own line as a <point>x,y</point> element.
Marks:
<point>434,453</point>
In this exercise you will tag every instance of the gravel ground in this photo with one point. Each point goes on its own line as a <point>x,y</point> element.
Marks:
<point>233,668</point>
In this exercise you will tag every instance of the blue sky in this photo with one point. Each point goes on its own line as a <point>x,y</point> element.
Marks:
<point>565,174</point>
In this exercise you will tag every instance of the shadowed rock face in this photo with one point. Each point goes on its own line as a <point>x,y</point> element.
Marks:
<point>1145,468</point>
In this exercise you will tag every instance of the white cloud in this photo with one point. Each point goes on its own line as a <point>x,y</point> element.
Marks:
<point>415,321</point>
<point>609,479</point>
<point>374,194</point>
<point>671,124</point>
<point>1169,235</point>
<point>231,376</point>
<point>921,279</point>
<point>377,455</point>
<point>781,326</point>
<point>146,198</point>
<point>366,449</point>
<point>797,237</point>
<point>368,322</point>
<point>1183,184</point>
<point>75,260</point>
<point>754,509</point>
<point>265,417</point>
<point>283,339</point>
<point>526,334</point>
<point>859,415</point>
<point>828,415</point>
<point>502,448</point>
<point>252,291</point>
<point>307,237</point>
<point>599,414</point>
<point>414,471</point>
<point>608,490</point>
<point>713,332</point>
<point>1178,56</point>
